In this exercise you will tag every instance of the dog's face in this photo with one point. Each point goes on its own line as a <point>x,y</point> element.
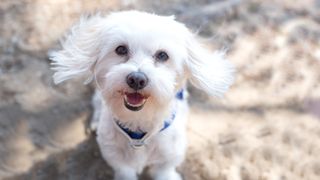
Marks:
<point>142,66</point>
<point>140,61</point>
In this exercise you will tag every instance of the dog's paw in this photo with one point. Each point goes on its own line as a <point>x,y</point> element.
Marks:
<point>125,174</point>
<point>170,174</point>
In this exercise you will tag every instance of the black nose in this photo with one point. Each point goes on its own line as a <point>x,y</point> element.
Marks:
<point>137,80</point>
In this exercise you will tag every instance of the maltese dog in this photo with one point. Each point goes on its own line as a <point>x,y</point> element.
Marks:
<point>140,63</point>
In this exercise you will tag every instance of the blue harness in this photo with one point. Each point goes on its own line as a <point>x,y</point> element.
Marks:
<point>137,135</point>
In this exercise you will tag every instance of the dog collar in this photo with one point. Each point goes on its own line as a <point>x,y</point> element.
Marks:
<point>138,138</point>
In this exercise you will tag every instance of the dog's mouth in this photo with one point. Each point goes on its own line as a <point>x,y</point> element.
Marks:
<point>134,101</point>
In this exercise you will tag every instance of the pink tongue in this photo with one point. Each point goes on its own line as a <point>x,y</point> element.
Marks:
<point>134,98</point>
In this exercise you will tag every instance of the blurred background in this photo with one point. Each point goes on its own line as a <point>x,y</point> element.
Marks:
<point>266,127</point>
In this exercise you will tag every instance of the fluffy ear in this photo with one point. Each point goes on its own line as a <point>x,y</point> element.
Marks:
<point>207,70</point>
<point>79,51</point>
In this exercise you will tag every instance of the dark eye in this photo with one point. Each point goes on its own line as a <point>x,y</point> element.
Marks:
<point>122,50</point>
<point>162,56</point>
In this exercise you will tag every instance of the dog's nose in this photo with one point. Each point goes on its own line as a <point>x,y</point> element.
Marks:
<point>137,80</point>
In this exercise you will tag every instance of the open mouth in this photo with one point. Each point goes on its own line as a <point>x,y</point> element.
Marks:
<point>134,101</point>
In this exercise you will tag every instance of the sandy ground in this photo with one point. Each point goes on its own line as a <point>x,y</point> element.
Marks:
<point>266,127</point>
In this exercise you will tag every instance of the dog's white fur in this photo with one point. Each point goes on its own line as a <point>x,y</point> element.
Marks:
<point>90,50</point>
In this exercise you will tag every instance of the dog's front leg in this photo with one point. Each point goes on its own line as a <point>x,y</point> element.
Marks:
<point>125,173</point>
<point>165,171</point>
<point>121,167</point>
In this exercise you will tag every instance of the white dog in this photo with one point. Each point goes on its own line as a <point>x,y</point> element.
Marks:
<point>140,63</point>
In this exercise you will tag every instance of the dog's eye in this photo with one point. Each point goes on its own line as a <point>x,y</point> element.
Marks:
<point>162,56</point>
<point>122,50</point>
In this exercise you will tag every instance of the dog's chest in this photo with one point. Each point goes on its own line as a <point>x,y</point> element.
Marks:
<point>117,148</point>
<point>162,147</point>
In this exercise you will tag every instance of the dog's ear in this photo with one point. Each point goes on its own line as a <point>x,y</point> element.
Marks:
<point>80,50</point>
<point>207,70</point>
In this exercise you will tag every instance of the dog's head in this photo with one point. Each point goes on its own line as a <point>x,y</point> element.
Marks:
<point>139,61</point>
